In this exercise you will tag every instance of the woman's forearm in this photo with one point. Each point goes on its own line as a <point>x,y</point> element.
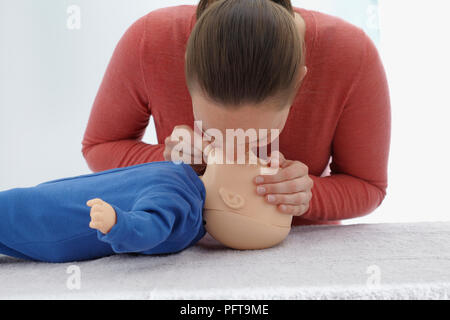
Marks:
<point>121,153</point>
<point>342,196</point>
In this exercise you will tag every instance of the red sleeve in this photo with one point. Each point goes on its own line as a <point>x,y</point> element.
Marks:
<point>120,114</point>
<point>360,149</point>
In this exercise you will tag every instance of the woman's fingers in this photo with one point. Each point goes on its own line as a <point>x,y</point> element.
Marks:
<point>181,146</point>
<point>177,150</point>
<point>291,198</point>
<point>277,160</point>
<point>293,170</point>
<point>289,186</point>
<point>293,210</point>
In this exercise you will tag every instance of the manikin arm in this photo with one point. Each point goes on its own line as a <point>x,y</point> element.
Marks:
<point>146,225</point>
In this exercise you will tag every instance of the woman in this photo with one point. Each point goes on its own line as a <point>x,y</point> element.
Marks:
<point>254,64</point>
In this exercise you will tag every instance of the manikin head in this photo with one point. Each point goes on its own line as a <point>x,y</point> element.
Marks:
<point>234,213</point>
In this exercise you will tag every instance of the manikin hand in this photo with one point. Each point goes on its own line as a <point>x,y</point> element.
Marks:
<point>103,216</point>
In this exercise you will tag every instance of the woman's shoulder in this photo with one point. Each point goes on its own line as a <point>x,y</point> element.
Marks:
<point>169,19</point>
<point>330,28</point>
<point>162,31</point>
<point>338,44</point>
<point>174,12</point>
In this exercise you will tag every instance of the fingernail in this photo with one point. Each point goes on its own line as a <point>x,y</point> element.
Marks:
<point>271,198</point>
<point>259,179</point>
<point>283,207</point>
<point>261,190</point>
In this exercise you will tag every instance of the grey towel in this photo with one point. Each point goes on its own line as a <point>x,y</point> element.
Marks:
<point>364,261</point>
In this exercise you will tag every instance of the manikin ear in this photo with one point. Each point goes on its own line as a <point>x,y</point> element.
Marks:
<point>231,199</point>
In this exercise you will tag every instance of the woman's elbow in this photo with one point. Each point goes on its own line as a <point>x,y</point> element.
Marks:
<point>92,157</point>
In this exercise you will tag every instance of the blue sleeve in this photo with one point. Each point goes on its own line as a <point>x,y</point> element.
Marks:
<point>150,222</point>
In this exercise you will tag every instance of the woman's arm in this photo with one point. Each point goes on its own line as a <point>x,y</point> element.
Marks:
<point>120,113</point>
<point>358,181</point>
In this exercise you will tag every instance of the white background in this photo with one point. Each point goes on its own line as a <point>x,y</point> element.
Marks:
<point>49,76</point>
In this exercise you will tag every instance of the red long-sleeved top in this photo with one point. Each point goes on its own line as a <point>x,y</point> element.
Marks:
<point>342,109</point>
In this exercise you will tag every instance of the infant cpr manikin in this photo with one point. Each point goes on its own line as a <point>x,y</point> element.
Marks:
<point>235,214</point>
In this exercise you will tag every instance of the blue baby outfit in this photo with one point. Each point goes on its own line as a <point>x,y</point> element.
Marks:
<point>158,207</point>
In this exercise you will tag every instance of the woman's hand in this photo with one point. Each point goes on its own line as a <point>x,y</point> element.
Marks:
<point>185,150</point>
<point>289,188</point>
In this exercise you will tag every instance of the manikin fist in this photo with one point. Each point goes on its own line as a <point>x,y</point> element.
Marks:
<point>103,216</point>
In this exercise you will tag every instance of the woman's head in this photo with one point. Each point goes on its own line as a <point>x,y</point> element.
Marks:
<point>244,63</point>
